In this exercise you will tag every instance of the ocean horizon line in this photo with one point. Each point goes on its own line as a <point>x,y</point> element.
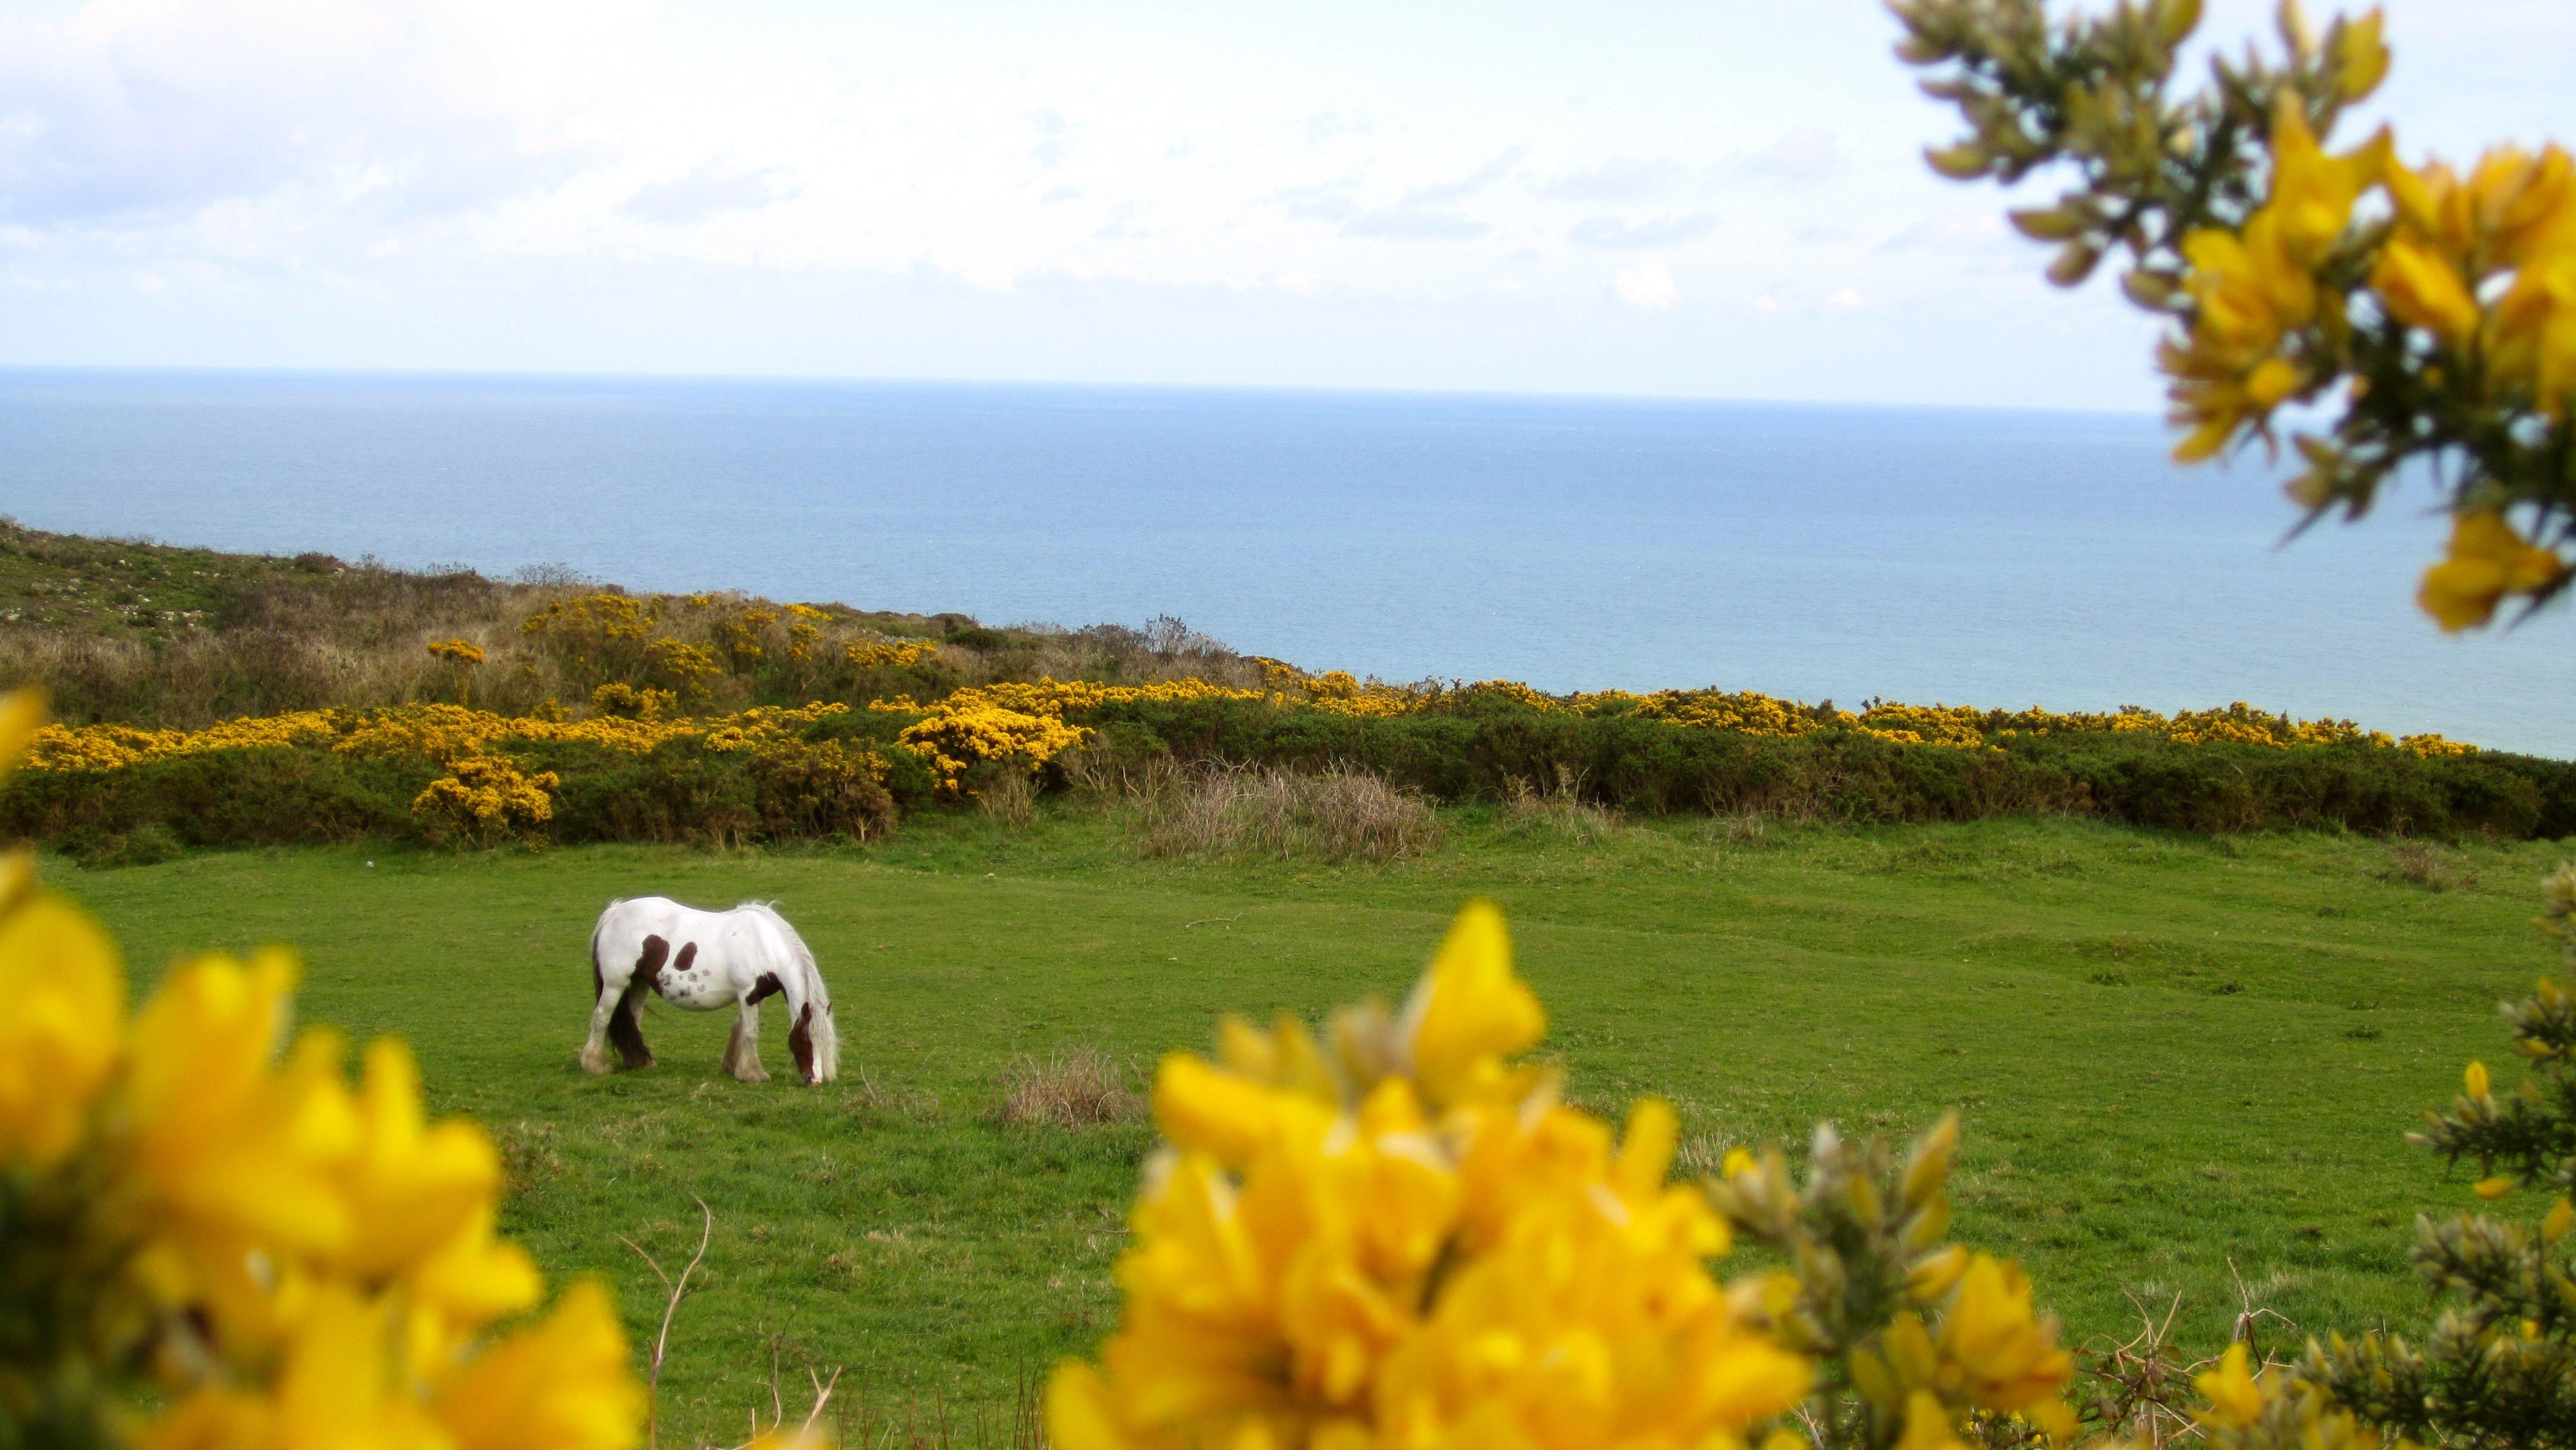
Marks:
<point>180,371</point>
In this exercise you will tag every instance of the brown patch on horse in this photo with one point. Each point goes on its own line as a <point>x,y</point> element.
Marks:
<point>762,989</point>
<point>626,1024</point>
<point>800,1041</point>
<point>680,963</point>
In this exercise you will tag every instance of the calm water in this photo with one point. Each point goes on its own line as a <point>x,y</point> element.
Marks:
<point>1992,558</point>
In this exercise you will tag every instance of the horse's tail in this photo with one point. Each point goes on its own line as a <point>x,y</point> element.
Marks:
<point>815,1021</point>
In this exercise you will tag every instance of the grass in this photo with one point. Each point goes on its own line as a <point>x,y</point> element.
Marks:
<point>2185,1064</point>
<point>124,588</point>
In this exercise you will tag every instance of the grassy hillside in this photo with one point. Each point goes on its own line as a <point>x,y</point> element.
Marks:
<point>149,634</point>
<point>2185,1064</point>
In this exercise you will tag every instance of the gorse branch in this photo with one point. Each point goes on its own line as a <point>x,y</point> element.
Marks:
<point>2427,317</point>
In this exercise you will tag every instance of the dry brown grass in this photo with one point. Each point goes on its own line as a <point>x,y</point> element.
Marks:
<point>2422,863</point>
<point>1560,810</point>
<point>1010,798</point>
<point>1072,1087</point>
<point>1338,814</point>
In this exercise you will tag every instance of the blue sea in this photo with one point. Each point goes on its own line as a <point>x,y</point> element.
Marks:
<point>1993,558</point>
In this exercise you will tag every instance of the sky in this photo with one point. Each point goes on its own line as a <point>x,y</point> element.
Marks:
<point>1720,198</point>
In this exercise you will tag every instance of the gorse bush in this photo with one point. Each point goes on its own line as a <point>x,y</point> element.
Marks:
<point>444,774</point>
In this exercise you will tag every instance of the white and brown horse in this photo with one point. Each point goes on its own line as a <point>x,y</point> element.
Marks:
<point>705,961</point>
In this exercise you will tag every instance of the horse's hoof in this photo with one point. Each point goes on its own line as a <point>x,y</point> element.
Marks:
<point>594,1063</point>
<point>755,1075</point>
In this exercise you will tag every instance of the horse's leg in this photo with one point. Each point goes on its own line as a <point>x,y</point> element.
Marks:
<point>742,1051</point>
<point>626,1024</point>
<point>594,1053</point>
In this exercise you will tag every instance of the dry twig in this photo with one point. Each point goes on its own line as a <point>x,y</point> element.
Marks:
<point>662,1341</point>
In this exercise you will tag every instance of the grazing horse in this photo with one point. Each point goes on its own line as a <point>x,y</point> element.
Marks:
<point>706,960</point>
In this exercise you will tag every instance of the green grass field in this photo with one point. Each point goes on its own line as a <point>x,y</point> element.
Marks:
<point>2185,1065</point>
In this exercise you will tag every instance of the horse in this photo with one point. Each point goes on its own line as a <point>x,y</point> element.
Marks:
<point>705,961</point>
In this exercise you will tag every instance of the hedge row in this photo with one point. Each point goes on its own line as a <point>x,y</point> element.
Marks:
<point>1648,767</point>
<point>682,792</point>
<point>679,792</point>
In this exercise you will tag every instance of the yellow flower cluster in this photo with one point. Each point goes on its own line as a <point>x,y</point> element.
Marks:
<point>2275,1411</point>
<point>112,747</point>
<point>953,740</point>
<point>1338,692</point>
<point>1406,1241</point>
<point>2484,265</point>
<point>486,799</point>
<point>1967,727</point>
<point>2254,292</point>
<point>456,651</point>
<point>592,619</point>
<point>889,655</point>
<point>1054,698</point>
<point>2488,561</point>
<point>1993,1352</point>
<point>686,668</point>
<point>306,1263</point>
<point>440,732</point>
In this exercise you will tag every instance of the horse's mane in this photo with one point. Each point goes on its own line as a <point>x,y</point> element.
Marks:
<point>804,953</point>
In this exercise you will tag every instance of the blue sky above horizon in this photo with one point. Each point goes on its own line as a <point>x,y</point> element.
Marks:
<point>1712,199</point>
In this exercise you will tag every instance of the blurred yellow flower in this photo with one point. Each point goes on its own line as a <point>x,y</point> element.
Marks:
<point>2422,290</point>
<point>334,1388</point>
<point>560,1384</point>
<point>2008,1354</point>
<point>1927,1425</point>
<point>2235,1396</point>
<point>22,713</point>
<point>62,1025</point>
<point>2488,561</point>
<point>231,1152</point>
<point>410,1188</point>
<point>2252,289</point>
<point>1469,1011</point>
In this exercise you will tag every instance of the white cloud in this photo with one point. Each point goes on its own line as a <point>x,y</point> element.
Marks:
<point>1845,298</point>
<point>1662,231</point>
<point>1620,179</point>
<point>1647,287</point>
<point>136,113</point>
<point>1808,154</point>
<point>720,184</point>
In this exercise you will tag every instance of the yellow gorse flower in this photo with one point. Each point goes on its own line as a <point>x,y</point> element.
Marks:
<point>2253,290</point>
<point>1471,1011</point>
<point>62,1009</point>
<point>2488,562</point>
<point>2235,1397</point>
<point>2006,1354</point>
<point>1404,1241</point>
